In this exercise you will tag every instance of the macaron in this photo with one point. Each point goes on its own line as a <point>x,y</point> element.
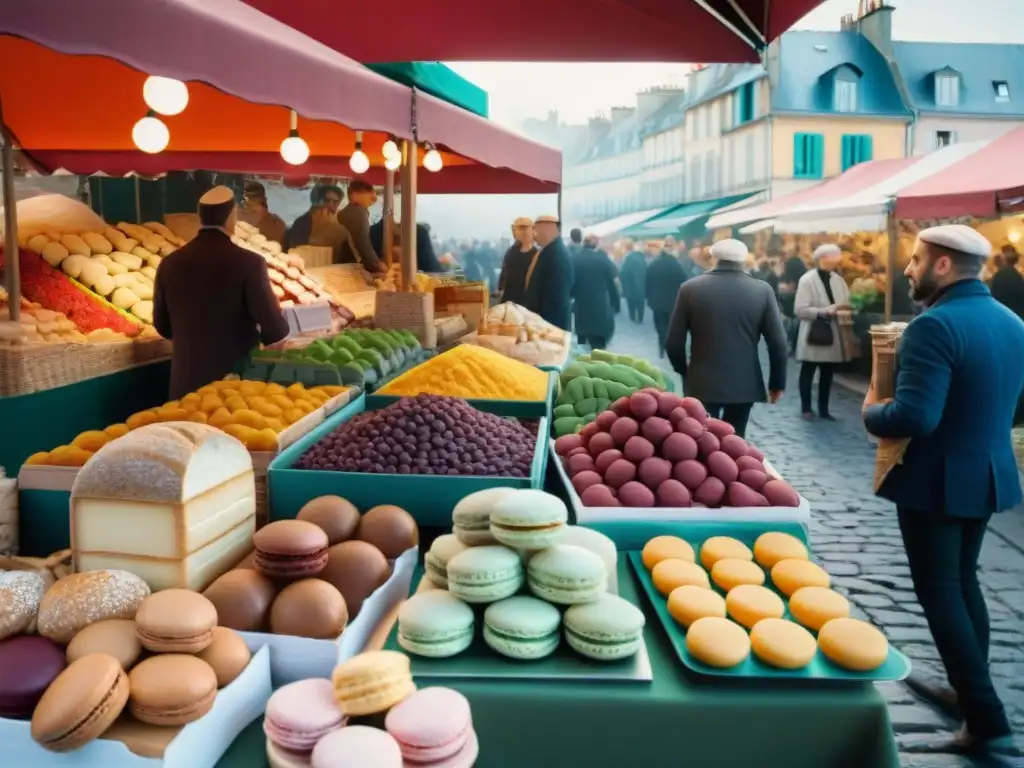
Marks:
<point>731,572</point>
<point>566,575</point>
<point>337,517</point>
<point>522,627</point>
<point>372,682</point>
<point>790,575</point>
<point>356,569</point>
<point>227,655</point>
<point>747,604</point>
<point>175,621</point>
<point>279,757</point>
<point>435,624</point>
<point>290,549</point>
<point>529,519</point>
<point>723,548</point>
<point>435,563</point>
<point>853,644</point>
<point>171,689</point>
<point>80,599</point>
<point>717,642</point>
<point>242,598</point>
<point>81,704</point>
<point>299,714</point>
<point>28,664</point>
<point>485,574</point>
<point>390,529</point>
<point>309,608</point>
<point>357,746</point>
<point>773,546</point>
<point>471,517</point>
<point>20,595</point>
<point>782,644</point>
<point>600,545</point>
<point>816,606</point>
<point>669,574</point>
<point>115,637</point>
<point>608,629</point>
<point>689,603</point>
<point>434,727</point>
<point>666,548</point>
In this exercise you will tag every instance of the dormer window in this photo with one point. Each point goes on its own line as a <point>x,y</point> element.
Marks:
<point>947,89</point>
<point>845,83</point>
<point>1002,90</point>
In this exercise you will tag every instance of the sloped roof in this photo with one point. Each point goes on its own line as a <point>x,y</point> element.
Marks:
<point>719,79</point>
<point>668,116</point>
<point>623,137</point>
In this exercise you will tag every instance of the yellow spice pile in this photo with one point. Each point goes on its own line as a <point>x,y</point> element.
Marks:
<point>472,372</point>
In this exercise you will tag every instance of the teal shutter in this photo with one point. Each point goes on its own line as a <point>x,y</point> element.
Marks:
<point>737,108</point>
<point>799,155</point>
<point>848,150</point>
<point>817,155</point>
<point>867,151</point>
<point>753,99</point>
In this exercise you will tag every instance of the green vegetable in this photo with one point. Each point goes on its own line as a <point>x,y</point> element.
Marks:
<point>585,407</point>
<point>603,404</point>
<point>574,390</point>
<point>588,387</point>
<point>351,373</point>
<point>589,418</point>
<point>572,371</point>
<point>567,425</point>
<point>600,389</point>
<point>625,376</point>
<point>566,409</point>
<point>617,390</point>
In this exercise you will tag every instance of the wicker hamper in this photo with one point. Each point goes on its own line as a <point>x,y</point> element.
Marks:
<point>8,514</point>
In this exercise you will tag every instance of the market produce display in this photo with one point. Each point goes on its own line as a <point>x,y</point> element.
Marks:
<point>591,383</point>
<point>362,356</point>
<point>44,326</point>
<point>656,449</point>
<point>516,332</point>
<point>253,412</point>
<point>426,435</point>
<point>425,283</point>
<point>473,373</point>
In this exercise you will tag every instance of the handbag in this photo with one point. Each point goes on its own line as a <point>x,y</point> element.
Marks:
<point>820,334</point>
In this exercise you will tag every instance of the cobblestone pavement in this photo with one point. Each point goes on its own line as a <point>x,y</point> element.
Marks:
<point>856,536</point>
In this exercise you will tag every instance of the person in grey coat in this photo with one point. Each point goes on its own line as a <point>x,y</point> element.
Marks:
<point>820,294</point>
<point>728,312</point>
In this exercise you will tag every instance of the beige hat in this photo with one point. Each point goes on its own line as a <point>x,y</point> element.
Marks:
<point>547,219</point>
<point>730,250</point>
<point>958,237</point>
<point>523,221</point>
<point>824,250</point>
<point>217,196</point>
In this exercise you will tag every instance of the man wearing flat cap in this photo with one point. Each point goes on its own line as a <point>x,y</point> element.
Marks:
<point>960,372</point>
<point>256,211</point>
<point>726,312</point>
<point>549,292</point>
<point>212,298</point>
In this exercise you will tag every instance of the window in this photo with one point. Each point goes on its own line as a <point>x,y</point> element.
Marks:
<point>947,90</point>
<point>857,148</point>
<point>808,154</point>
<point>750,151</point>
<point>944,139</point>
<point>1002,90</point>
<point>744,104</point>
<point>844,95</point>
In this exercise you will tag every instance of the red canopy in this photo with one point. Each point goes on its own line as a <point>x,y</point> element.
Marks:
<point>972,187</point>
<point>543,30</point>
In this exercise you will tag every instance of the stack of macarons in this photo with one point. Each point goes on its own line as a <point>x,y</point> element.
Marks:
<point>328,723</point>
<point>310,576</point>
<point>729,612</point>
<point>505,540</point>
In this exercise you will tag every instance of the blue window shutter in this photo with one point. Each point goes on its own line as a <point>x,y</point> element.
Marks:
<point>800,155</point>
<point>848,150</point>
<point>737,108</point>
<point>817,155</point>
<point>866,149</point>
<point>753,99</point>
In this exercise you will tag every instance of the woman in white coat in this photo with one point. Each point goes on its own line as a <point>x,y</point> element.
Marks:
<point>820,294</point>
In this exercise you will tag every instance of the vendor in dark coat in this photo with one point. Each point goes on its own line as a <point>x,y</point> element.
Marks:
<point>426,256</point>
<point>323,195</point>
<point>549,292</point>
<point>213,300</point>
<point>1008,283</point>
<point>595,295</point>
<point>632,275</point>
<point>662,281</point>
<point>519,263</point>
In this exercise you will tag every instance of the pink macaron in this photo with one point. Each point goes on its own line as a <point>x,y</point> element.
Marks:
<point>434,727</point>
<point>357,746</point>
<point>300,714</point>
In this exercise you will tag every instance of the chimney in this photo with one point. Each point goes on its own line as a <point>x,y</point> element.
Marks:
<point>619,114</point>
<point>651,100</point>
<point>875,23</point>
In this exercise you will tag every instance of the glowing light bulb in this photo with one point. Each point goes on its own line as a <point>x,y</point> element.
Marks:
<point>151,135</point>
<point>165,95</point>
<point>359,162</point>
<point>294,149</point>
<point>390,149</point>
<point>432,161</point>
<point>1013,236</point>
<point>392,162</point>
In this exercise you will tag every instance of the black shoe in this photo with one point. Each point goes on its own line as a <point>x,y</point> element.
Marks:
<point>826,416</point>
<point>941,696</point>
<point>963,743</point>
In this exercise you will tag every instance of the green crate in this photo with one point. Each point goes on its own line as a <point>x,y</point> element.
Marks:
<point>44,522</point>
<point>428,498</point>
<point>522,409</point>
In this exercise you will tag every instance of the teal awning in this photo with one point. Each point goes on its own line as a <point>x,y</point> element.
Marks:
<point>438,80</point>
<point>681,219</point>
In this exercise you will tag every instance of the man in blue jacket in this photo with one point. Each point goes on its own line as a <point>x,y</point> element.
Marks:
<point>960,373</point>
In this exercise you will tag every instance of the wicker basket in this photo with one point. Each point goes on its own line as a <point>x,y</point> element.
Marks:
<point>884,339</point>
<point>150,350</point>
<point>8,515</point>
<point>34,368</point>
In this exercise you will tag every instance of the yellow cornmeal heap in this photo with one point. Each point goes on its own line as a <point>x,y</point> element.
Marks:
<point>472,372</point>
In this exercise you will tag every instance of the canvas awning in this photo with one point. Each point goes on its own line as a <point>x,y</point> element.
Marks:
<point>440,81</point>
<point>620,223</point>
<point>673,220</point>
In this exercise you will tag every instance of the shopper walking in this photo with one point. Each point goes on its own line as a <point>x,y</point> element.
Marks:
<point>727,312</point>
<point>820,294</point>
<point>632,276</point>
<point>549,292</point>
<point>595,295</point>
<point>665,275</point>
<point>960,372</point>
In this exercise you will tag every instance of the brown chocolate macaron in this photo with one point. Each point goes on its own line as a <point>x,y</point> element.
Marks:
<point>290,549</point>
<point>242,599</point>
<point>337,517</point>
<point>171,689</point>
<point>227,655</point>
<point>309,608</point>
<point>115,637</point>
<point>390,529</point>
<point>176,621</point>
<point>81,704</point>
<point>356,569</point>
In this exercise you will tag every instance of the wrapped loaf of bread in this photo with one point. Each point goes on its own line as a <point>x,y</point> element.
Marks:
<point>173,503</point>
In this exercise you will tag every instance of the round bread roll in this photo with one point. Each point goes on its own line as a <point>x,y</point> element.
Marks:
<point>815,606</point>
<point>309,608</point>
<point>689,603</point>
<point>20,595</point>
<point>772,547</point>
<point>730,572</point>
<point>790,575</point>
<point>853,644</point>
<point>717,642</point>
<point>390,529</point>
<point>338,517</point>
<point>723,548</point>
<point>81,599</point>
<point>782,644</point>
<point>671,574</point>
<point>748,604</point>
<point>666,548</point>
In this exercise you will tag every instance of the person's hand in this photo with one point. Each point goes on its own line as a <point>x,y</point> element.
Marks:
<point>278,346</point>
<point>872,398</point>
<point>379,268</point>
<point>831,309</point>
<point>775,395</point>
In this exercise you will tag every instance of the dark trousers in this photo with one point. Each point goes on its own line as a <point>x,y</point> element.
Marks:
<point>824,386</point>
<point>943,555</point>
<point>595,342</point>
<point>635,304</point>
<point>736,414</point>
<point>661,320</point>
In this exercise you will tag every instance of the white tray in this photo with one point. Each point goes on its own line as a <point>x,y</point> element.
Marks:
<point>584,515</point>
<point>298,658</point>
<point>198,745</point>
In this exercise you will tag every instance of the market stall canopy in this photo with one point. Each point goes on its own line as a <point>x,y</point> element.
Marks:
<point>618,224</point>
<point>675,220</point>
<point>563,30</point>
<point>973,186</point>
<point>435,78</point>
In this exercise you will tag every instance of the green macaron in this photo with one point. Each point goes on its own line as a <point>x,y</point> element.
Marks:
<point>441,551</point>
<point>485,574</point>
<point>567,575</point>
<point>435,624</point>
<point>608,629</point>
<point>529,519</point>
<point>522,627</point>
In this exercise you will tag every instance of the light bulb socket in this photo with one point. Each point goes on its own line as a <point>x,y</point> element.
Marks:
<point>151,113</point>
<point>293,133</point>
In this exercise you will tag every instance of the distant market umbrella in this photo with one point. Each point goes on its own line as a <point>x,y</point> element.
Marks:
<point>565,30</point>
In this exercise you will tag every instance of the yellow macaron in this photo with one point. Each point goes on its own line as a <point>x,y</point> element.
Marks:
<point>666,548</point>
<point>670,574</point>
<point>773,546</point>
<point>718,642</point>
<point>790,575</point>
<point>747,604</point>
<point>723,548</point>
<point>689,603</point>
<point>815,606</point>
<point>372,682</point>
<point>730,572</point>
<point>782,644</point>
<point>853,644</point>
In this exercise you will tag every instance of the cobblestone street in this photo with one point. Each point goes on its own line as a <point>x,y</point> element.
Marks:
<point>857,539</point>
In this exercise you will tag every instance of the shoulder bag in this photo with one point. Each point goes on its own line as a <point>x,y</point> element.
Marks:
<point>821,334</point>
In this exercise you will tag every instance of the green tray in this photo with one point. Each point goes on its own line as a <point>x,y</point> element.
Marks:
<point>523,409</point>
<point>896,667</point>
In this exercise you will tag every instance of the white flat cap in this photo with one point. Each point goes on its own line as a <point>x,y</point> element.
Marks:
<point>730,250</point>
<point>826,249</point>
<point>957,237</point>
<point>547,219</point>
<point>523,221</point>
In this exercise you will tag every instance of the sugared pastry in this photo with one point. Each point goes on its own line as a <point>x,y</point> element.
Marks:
<point>227,655</point>
<point>79,706</point>
<point>20,594</point>
<point>730,572</point>
<point>175,621</point>
<point>309,608</point>
<point>115,637</point>
<point>773,546</point>
<point>81,599</point>
<point>337,517</point>
<point>723,548</point>
<point>782,644</point>
<point>790,575</point>
<point>666,548</point>
<point>853,644</point>
<point>689,603</point>
<point>747,604</point>
<point>815,606</point>
<point>171,689</point>
<point>390,529</point>
<point>717,642</point>
<point>667,575</point>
